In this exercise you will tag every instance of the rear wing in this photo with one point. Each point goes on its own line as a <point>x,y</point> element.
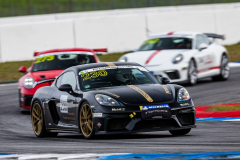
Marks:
<point>43,81</point>
<point>212,35</point>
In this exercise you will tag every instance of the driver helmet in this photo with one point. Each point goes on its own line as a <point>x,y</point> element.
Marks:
<point>124,74</point>
<point>81,59</point>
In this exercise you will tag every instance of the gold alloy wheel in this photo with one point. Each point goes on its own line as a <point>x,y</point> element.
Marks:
<point>86,120</point>
<point>37,119</point>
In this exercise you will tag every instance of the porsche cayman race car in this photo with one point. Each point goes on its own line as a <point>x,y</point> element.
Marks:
<point>183,57</point>
<point>110,98</point>
<point>48,65</point>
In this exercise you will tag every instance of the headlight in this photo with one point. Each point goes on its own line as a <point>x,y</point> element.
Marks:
<point>106,100</point>
<point>183,95</point>
<point>178,59</point>
<point>28,82</point>
<point>123,59</point>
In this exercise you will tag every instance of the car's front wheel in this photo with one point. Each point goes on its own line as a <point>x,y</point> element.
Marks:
<point>86,121</point>
<point>38,121</point>
<point>180,132</point>
<point>224,70</point>
<point>192,73</point>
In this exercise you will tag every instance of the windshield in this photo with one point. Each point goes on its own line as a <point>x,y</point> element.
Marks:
<point>115,76</point>
<point>166,43</point>
<point>61,62</point>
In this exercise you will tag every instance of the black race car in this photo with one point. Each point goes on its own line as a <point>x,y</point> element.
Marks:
<point>110,98</point>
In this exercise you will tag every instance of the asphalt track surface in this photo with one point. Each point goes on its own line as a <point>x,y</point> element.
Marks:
<point>16,135</point>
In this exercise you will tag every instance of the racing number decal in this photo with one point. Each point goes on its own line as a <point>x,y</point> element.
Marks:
<point>94,74</point>
<point>46,58</point>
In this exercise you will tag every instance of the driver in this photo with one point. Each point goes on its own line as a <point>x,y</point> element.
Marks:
<point>81,59</point>
<point>124,76</point>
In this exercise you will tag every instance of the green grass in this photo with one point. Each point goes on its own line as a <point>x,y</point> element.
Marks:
<point>32,7</point>
<point>234,51</point>
<point>223,108</point>
<point>9,70</point>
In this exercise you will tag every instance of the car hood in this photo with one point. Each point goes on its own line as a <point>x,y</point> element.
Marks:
<point>154,57</point>
<point>41,75</point>
<point>139,94</point>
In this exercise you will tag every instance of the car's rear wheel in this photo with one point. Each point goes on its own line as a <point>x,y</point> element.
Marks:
<point>86,121</point>
<point>224,70</point>
<point>180,132</point>
<point>38,121</point>
<point>192,73</point>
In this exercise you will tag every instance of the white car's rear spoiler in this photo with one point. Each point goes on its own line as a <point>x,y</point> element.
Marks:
<point>212,35</point>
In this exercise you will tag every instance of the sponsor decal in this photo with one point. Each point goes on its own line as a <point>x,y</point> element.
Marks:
<point>132,115</point>
<point>144,94</point>
<point>157,117</point>
<point>111,67</point>
<point>154,107</point>
<point>87,86</point>
<point>184,104</point>
<point>69,118</point>
<point>97,114</point>
<point>118,109</point>
<point>71,114</point>
<point>166,89</point>
<point>63,104</point>
<point>99,124</point>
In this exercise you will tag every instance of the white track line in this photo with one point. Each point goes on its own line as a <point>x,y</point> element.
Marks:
<point>58,156</point>
<point>9,84</point>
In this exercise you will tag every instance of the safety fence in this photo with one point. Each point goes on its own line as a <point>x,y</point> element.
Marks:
<point>35,7</point>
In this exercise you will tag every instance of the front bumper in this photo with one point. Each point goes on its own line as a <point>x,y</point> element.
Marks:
<point>122,123</point>
<point>176,73</point>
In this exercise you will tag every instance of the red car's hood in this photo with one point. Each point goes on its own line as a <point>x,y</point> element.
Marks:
<point>41,75</point>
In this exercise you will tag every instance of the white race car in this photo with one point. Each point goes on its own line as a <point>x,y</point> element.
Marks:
<point>182,57</point>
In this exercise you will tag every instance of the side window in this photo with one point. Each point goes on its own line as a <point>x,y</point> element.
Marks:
<point>69,78</point>
<point>58,83</point>
<point>206,40</point>
<point>201,39</point>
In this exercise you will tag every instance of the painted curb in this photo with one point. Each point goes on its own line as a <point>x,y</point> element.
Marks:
<point>202,113</point>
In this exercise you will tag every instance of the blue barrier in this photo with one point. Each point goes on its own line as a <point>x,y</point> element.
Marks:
<point>143,156</point>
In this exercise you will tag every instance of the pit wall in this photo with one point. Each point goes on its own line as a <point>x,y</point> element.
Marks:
<point>117,30</point>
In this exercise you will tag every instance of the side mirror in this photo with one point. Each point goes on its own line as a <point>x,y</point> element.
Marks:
<point>65,88</point>
<point>202,46</point>
<point>23,69</point>
<point>165,80</point>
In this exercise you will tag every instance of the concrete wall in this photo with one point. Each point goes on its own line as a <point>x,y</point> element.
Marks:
<point>118,30</point>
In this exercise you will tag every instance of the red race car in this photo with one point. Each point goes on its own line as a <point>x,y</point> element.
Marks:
<point>48,65</point>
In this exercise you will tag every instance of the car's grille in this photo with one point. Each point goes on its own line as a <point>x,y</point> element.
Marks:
<point>173,74</point>
<point>154,124</point>
<point>27,100</point>
<point>118,124</point>
<point>185,118</point>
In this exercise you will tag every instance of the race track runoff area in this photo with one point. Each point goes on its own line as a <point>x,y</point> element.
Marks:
<point>219,139</point>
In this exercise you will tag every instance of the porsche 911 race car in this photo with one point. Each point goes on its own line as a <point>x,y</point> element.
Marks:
<point>48,65</point>
<point>183,56</point>
<point>109,98</point>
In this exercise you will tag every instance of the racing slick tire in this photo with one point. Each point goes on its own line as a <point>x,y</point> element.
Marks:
<point>180,132</point>
<point>224,70</point>
<point>192,73</point>
<point>86,121</point>
<point>38,122</point>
